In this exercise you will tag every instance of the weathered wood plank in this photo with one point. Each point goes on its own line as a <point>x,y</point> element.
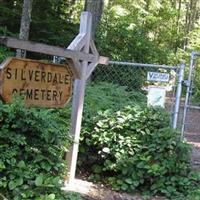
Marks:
<point>78,97</point>
<point>45,49</point>
<point>78,42</point>
<point>103,60</point>
<point>91,68</point>
<point>51,50</point>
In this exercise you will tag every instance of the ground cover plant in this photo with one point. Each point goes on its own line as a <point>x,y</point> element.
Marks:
<point>103,95</point>
<point>132,148</point>
<point>32,145</point>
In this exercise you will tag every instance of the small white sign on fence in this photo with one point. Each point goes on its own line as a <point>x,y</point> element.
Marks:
<point>157,76</point>
<point>156,96</point>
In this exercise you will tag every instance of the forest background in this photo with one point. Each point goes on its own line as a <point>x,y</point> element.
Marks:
<point>151,31</point>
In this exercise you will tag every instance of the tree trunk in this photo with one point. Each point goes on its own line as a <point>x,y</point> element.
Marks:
<point>179,13</point>
<point>177,24</point>
<point>96,8</point>
<point>25,25</point>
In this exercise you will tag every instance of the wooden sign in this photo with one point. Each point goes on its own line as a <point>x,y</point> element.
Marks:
<point>41,84</point>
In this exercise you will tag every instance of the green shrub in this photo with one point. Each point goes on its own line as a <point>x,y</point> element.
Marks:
<point>4,53</point>
<point>32,145</point>
<point>194,192</point>
<point>102,96</point>
<point>134,149</point>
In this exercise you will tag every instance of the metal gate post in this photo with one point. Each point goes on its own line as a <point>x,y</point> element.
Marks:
<point>178,95</point>
<point>188,85</point>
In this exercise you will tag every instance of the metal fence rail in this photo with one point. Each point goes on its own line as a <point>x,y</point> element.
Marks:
<point>143,65</point>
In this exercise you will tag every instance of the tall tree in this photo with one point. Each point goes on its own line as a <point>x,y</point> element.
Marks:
<point>25,25</point>
<point>96,8</point>
<point>192,17</point>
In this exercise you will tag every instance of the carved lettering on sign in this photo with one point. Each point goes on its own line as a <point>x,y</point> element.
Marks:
<point>41,84</point>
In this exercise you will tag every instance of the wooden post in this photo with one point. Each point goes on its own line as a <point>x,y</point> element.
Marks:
<point>78,95</point>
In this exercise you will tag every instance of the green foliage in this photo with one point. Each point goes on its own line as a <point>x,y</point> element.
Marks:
<point>130,31</point>
<point>131,77</point>
<point>141,31</point>
<point>102,96</point>
<point>10,14</point>
<point>196,83</point>
<point>32,146</point>
<point>52,22</point>
<point>4,53</point>
<point>136,30</point>
<point>134,149</point>
<point>99,98</point>
<point>194,193</point>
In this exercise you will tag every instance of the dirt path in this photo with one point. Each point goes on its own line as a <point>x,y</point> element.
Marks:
<point>194,140</point>
<point>192,129</point>
<point>192,134</point>
<point>91,191</point>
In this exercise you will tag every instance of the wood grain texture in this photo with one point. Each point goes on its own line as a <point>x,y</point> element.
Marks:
<point>41,84</point>
<point>45,49</point>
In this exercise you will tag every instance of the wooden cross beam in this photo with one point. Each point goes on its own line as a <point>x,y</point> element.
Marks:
<point>54,50</point>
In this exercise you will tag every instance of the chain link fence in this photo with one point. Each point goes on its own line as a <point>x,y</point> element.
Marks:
<point>134,77</point>
<point>191,107</point>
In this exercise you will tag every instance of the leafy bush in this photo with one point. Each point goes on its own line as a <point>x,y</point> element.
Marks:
<point>4,53</point>
<point>135,149</point>
<point>32,145</point>
<point>102,96</point>
<point>194,193</point>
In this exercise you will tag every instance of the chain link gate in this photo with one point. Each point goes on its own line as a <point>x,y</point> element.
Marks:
<point>191,109</point>
<point>134,77</point>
